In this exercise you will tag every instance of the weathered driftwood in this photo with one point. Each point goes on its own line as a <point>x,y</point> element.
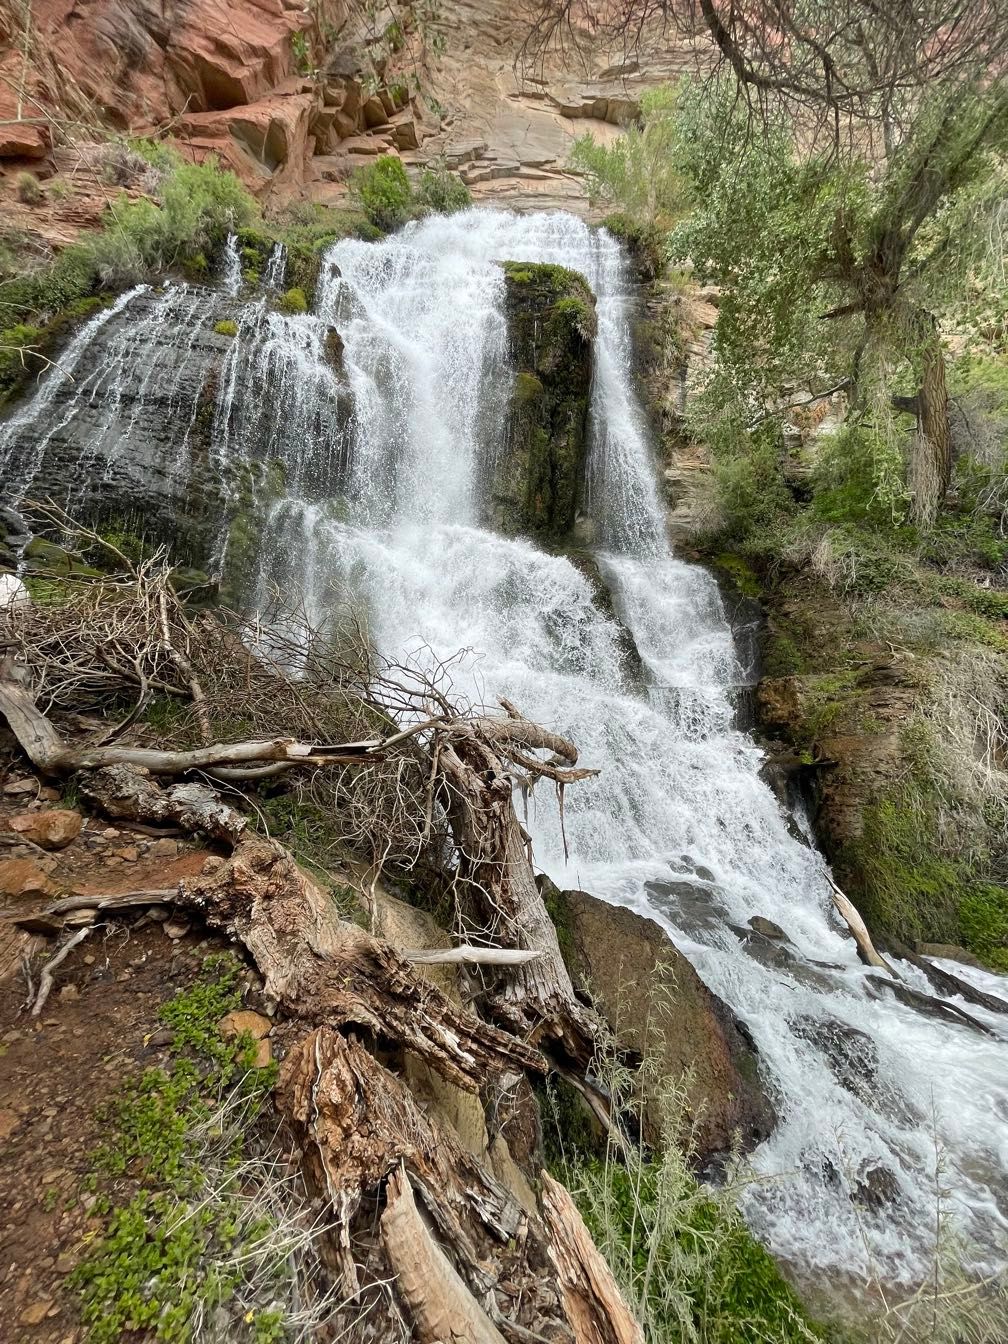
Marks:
<point>359,1126</point>
<point>478,762</point>
<point>471,1262</point>
<point>475,759</point>
<point>849,913</point>
<point>51,755</point>
<point>441,1305</point>
<point>592,1299</point>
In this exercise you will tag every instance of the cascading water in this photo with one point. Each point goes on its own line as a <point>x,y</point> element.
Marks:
<point>386,505</point>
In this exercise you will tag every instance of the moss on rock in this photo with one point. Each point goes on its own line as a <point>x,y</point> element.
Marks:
<point>538,476</point>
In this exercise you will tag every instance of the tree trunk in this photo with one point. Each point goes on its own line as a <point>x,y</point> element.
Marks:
<point>930,466</point>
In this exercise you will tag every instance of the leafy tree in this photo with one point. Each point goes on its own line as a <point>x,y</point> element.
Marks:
<point>842,70</point>
<point>838,269</point>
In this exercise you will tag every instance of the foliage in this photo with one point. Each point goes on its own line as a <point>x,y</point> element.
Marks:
<point>29,189</point>
<point>226,327</point>
<point>293,301</point>
<point>383,192</point>
<point>198,1230</point>
<point>645,242</point>
<point>684,1259</point>
<point>301,52</point>
<point>639,170</point>
<point>195,206</point>
<point>441,192</point>
<point>858,478</point>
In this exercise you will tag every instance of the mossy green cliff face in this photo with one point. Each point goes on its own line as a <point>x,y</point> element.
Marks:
<point>538,476</point>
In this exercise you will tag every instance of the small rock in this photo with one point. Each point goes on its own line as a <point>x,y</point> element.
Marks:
<point>17,788</point>
<point>54,828</point>
<point>264,1054</point>
<point>35,1314</point>
<point>157,914</point>
<point>49,795</point>
<point>767,928</point>
<point>9,1122</point>
<point>164,849</point>
<point>242,1020</point>
<point>212,863</point>
<point>24,877</point>
<point>78,918</point>
<point>69,992</point>
<point>64,1264</point>
<point>129,852</point>
<point>175,928</point>
<point>162,1037</point>
<point>110,833</point>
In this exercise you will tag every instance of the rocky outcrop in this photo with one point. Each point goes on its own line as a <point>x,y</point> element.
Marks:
<point>261,84</point>
<point>537,480</point>
<point>660,1007</point>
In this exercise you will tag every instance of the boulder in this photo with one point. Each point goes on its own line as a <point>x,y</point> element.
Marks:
<point>658,1005</point>
<point>54,828</point>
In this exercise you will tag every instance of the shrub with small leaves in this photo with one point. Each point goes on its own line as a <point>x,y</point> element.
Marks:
<point>441,192</point>
<point>383,192</point>
<point>29,189</point>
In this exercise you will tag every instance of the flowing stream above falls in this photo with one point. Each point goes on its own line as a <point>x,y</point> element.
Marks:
<point>386,453</point>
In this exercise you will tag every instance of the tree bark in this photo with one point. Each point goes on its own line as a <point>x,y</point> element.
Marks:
<point>592,1299</point>
<point>932,475</point>
<point>538,998</point>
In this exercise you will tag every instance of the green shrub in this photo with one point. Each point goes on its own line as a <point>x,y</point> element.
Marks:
<point>29,189</point>
<point>225,327</point>
<point>681,1253</point>
<point>441,192</point>
<point>383,192</point>
<point>644,241</point>
<point>293,301</point>
<point>859,478</point>
<point>983,922</point>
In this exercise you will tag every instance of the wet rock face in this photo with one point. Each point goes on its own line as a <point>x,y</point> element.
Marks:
<point>539,473</point>
<point>121,442</point>
<point>660,1006</point>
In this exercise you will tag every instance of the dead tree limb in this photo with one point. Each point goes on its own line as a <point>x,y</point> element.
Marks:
<point>859,929</point>
<point>442,1306</point>
<point>592,1299</point>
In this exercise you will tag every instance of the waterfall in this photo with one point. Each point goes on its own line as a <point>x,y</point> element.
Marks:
<point>678,825</point>
<point>382,443</point>
<point>231,271</point>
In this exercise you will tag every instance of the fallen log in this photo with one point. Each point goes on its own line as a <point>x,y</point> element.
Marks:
<point>442,1306</point>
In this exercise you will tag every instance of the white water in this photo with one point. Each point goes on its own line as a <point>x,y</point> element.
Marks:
<point>679,799</point>
<point>678,825</point>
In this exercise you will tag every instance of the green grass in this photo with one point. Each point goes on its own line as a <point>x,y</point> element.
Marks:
<point>181,1230</point>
